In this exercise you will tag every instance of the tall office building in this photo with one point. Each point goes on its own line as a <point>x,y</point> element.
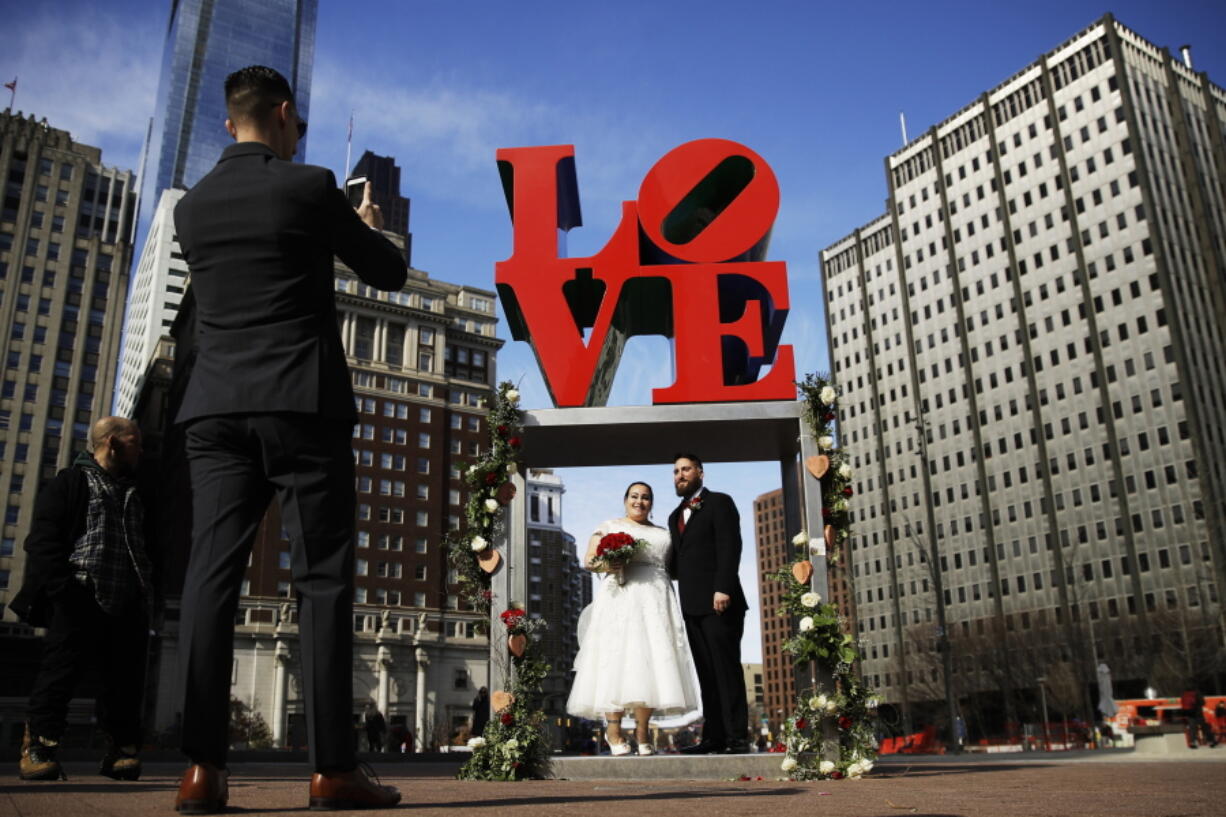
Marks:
<point>206,40</point>
<point>158,285</point>
<point>1029,345</point>
<point>64,256</point>
<point>558,590</point>
<point>775,551</point>
<point>384,176</point>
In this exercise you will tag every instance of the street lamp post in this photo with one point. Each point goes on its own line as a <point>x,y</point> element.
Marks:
<point>1042,679</point>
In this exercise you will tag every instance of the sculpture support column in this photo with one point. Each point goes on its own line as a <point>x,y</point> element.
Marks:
<point>419,736</point>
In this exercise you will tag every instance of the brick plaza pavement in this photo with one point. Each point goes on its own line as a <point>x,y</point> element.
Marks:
<point>1088,785</point>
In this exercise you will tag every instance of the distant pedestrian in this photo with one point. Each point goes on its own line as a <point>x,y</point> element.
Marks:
<point>376,726</point>
<point>88,581</point>
<point>481,711</point>
<point>1192,702</point>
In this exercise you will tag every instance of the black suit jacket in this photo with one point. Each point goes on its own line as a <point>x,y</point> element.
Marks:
<point>259,235</point>
<point>706,557</point>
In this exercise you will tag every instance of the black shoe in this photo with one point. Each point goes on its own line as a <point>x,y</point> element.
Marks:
<point>704,747</point>
<point>738,747</point>
<point>120,763</point>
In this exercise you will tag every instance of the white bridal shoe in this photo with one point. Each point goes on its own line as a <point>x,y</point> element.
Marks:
<point>619,749</point>
<point>646,749</point>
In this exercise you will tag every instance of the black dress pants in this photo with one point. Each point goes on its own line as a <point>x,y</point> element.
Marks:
<point>81,635</point>
<point>237,464</point>
<point>715,641</point>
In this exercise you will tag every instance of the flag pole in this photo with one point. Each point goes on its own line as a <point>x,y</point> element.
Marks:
<point>349,146</point>
<point>12,86</point>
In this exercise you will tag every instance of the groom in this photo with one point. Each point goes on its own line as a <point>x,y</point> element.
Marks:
<point>706,557</point>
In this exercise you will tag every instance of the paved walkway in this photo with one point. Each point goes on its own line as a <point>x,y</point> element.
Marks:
<point>1085,785</point>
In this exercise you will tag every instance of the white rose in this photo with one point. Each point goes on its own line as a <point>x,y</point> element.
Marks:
<point>472,469</point>
<point>810,599</point>
<point>818,702</point>
<point>491,505</point>
<point>828,395</point>
<point>478,544</point>
<point>832,706</point>
<point>845,471</point>
<point>866,765</point>
<point>788,764</point>
<point>511,744</point>
<point>512,396</point>
<point>825,443</point>
<point>806,624</point>
<point>512,468</point>
<point>854,771</point>
<point>476,743</point>
<point>825,767</point>
<point>801,538</point>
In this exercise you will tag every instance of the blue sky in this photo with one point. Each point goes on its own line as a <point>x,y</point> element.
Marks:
<point>815,88</point>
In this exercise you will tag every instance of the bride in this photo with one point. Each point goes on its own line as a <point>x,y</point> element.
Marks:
<point>633,653</point>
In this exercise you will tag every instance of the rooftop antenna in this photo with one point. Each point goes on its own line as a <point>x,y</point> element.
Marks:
<point>902,122</point>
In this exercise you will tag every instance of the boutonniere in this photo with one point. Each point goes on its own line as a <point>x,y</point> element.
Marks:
<point>695,504</point>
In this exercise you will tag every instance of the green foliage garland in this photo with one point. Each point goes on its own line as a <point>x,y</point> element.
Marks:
<point>515,745</point>
<point>838,723</point>
<point>485,478</point>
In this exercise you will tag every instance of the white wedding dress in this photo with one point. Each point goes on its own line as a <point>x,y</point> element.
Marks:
<point>633,650</point>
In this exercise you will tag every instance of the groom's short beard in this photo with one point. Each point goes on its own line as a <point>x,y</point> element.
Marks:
<point>697,486</point>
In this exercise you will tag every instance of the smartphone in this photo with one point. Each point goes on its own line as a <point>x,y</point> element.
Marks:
<point>355,188</point>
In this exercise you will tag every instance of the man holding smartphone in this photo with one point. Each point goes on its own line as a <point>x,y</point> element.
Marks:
<point>269,410</point>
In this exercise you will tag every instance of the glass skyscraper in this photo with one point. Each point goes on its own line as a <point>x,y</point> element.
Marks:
<point>205,41</point>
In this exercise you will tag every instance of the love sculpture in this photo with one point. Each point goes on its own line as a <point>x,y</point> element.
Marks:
<point>685,262</point>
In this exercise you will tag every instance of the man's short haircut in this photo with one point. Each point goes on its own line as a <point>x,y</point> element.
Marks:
<point>108,427</point>
<point>252,91</point>
<point>686,455</point>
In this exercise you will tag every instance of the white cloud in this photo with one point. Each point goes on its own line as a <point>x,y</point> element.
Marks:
<point>91,73</point>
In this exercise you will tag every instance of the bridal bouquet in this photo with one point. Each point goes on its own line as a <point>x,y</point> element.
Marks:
<point>614,551</point>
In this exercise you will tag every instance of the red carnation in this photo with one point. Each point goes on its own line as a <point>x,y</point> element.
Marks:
<point>844,722</point>
<point>801,723</point>
<point>829,417</point>
<point>507,719</point>
<point>491,478</point>
<point>514,442</point>
<point>502,429</point>
<point>847,491</point>
<point>836,775</point>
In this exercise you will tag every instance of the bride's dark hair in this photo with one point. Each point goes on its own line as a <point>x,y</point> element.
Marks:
<point>650,490</point>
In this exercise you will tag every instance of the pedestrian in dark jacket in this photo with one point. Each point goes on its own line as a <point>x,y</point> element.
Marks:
<point>88,581</point>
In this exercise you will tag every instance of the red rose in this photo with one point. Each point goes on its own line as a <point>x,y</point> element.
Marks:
<point>487,594</point>
<point>836,775</point>
<point>491,478</point>
<point>844,722</point>
<point>847,491</point>
<point>829,417</point>
<point>507,719</point>
<point>801,723</point>
<point>827,513</point>
<point>502,429</point>
<point>514,442</point>
<point>511,616</point>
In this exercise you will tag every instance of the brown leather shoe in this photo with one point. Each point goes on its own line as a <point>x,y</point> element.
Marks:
<point>203,790</point>
<point>350,790</point>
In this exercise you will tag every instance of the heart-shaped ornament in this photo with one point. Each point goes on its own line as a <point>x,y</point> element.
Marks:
<point>517,644</point>
<point>501,700</point>
<point>506,492</point>
<point>802,572</point>
<point>488,560</point>
<point>830,536</point>
<point>817,465</point>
